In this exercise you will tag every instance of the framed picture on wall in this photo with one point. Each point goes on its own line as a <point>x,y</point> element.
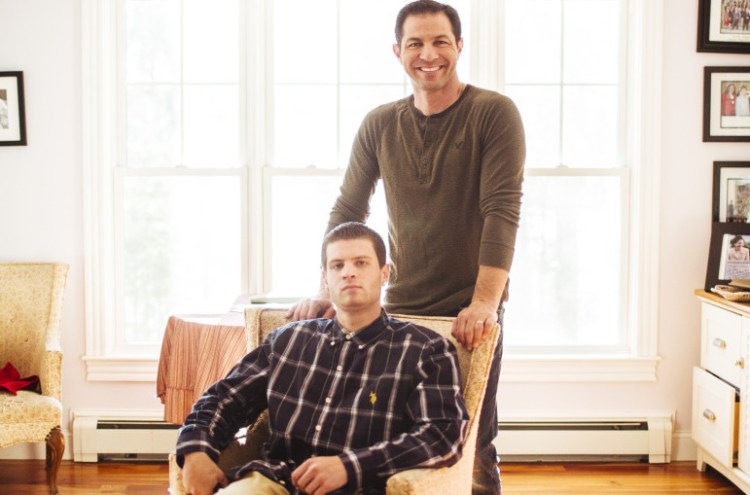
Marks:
<point>726,104</point>
<point>728,254</point>
<point>731,192</point>
<point>12,114</point>
<point>723,26</point>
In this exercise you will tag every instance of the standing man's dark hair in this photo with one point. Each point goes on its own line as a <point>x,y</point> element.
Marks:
<point>427,7</point>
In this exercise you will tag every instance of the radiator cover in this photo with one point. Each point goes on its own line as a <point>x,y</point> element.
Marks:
<point>546,438</point>
<point>520,438</point>
<point>128,438</point>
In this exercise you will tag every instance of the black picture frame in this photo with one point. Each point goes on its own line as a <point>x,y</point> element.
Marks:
<point>731,192</point>
<point>717,31</point>
<point>722,263</point>
<point>12,109</point>
<point>723,88</point>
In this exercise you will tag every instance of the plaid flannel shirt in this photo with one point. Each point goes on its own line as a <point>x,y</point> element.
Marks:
<point>385,399</point>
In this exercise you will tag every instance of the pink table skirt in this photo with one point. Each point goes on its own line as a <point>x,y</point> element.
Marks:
<point>194,355</point>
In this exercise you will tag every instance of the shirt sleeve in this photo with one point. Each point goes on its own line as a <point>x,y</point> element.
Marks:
<point>439,417</point>
<point>501,180</point>
<point>228,405</point>
<point>360,179</point>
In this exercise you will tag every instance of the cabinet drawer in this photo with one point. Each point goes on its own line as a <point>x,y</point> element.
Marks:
<point>721,349</point>
<point>715,416</point>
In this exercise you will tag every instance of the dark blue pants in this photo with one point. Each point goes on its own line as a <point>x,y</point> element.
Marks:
<point>486,477</point>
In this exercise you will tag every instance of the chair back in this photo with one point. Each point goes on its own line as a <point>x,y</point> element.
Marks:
<point>31,298</point>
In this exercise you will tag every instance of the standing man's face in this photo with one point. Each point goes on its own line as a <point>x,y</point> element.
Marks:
<point>429,51</point>
<point>353,275</point>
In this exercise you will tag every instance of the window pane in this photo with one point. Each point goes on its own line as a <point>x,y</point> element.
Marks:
<point>540,110</point>
<point>305,134</point>
<point>300,206</point>
<point>532,41</point>
<point>153,126</point>
<point>212,126</point>
<point>367,37</point>
<point>590,126</point>
<point>568,262</point>
<point>210,31</point>
<point>591,41</point>
<point>152,41</point>
<point>302,28</point>
<point>181,250</point>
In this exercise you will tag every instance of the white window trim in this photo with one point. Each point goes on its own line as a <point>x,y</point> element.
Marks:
<point>644,124</point>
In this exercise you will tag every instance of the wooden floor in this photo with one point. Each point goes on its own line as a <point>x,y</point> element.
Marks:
<point>28,477</point>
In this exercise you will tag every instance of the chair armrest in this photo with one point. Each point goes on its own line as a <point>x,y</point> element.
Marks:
<point>438,481</point>
<point>240,451</point>
<point>50,375</point>
<point>175,476</point>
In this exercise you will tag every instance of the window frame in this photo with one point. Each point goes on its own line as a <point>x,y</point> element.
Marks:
<point>99,82</point>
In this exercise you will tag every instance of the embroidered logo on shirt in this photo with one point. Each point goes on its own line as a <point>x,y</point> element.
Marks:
<point>373,398</point>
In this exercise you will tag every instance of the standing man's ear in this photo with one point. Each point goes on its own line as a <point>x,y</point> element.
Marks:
<point>397,51</point>
<point>460,45</point>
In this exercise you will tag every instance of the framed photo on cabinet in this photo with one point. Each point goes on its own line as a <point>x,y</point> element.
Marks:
<point>12,114</point>
<point>728,254</point>
<point>726,104</point>
<point>723,26</point>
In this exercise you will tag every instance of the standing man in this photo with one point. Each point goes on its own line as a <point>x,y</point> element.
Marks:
<point>451,160</point>
<point>351,400</point>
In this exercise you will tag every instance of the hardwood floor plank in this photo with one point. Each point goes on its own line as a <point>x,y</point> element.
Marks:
<point>28,478</point>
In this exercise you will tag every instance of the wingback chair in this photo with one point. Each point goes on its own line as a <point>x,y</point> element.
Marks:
<point>454,480</point>
<point>31,298</point>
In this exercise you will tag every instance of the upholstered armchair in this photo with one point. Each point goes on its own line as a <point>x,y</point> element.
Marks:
<point>31,297</point>
<point>454,480</point>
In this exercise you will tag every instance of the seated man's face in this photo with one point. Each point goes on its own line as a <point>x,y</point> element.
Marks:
<point>353,275</point>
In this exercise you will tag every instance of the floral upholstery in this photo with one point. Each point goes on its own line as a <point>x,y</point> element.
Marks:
<point>31,297</point>
<point>454,480</point>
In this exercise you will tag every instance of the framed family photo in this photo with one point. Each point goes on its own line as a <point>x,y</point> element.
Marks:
<point>724,26</point>
<point>726,104</point>
<point>728,254</point>
<point>731,192</point>
<point>12,114</point>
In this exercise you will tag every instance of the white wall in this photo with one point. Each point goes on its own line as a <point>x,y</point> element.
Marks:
<point>41,219</point>
<point>40,184</point>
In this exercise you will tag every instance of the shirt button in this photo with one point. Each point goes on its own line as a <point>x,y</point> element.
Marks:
<point>282,482</point>
<point>333,342</point>
<point>361,346</point>
<point>339,368</point>
<point>318,428</point>
<point>328,400</point>
<point>348,336</point>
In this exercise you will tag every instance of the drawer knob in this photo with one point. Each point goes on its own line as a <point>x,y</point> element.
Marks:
<point>741,363</point>
<point>720,343</point>
<point>709,415</point>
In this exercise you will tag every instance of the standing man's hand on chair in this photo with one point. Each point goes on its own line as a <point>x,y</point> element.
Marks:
<point>319,306</point>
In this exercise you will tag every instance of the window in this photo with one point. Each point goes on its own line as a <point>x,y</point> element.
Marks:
<point>568,78</point>
<point>218,132</point>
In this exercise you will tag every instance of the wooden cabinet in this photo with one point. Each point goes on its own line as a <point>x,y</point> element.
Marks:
<point>721,389</point>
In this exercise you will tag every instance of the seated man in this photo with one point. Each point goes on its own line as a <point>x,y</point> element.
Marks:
<point>351,401</point>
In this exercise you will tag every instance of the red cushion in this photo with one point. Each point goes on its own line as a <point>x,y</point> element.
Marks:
<point>11,381</point>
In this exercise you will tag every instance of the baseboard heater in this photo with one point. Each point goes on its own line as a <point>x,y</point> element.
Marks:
<point>98,438</point>
<point>130,439</point>
<point>549,439</point>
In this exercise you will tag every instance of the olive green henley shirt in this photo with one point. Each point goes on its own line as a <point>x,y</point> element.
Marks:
<point>453,192</point>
